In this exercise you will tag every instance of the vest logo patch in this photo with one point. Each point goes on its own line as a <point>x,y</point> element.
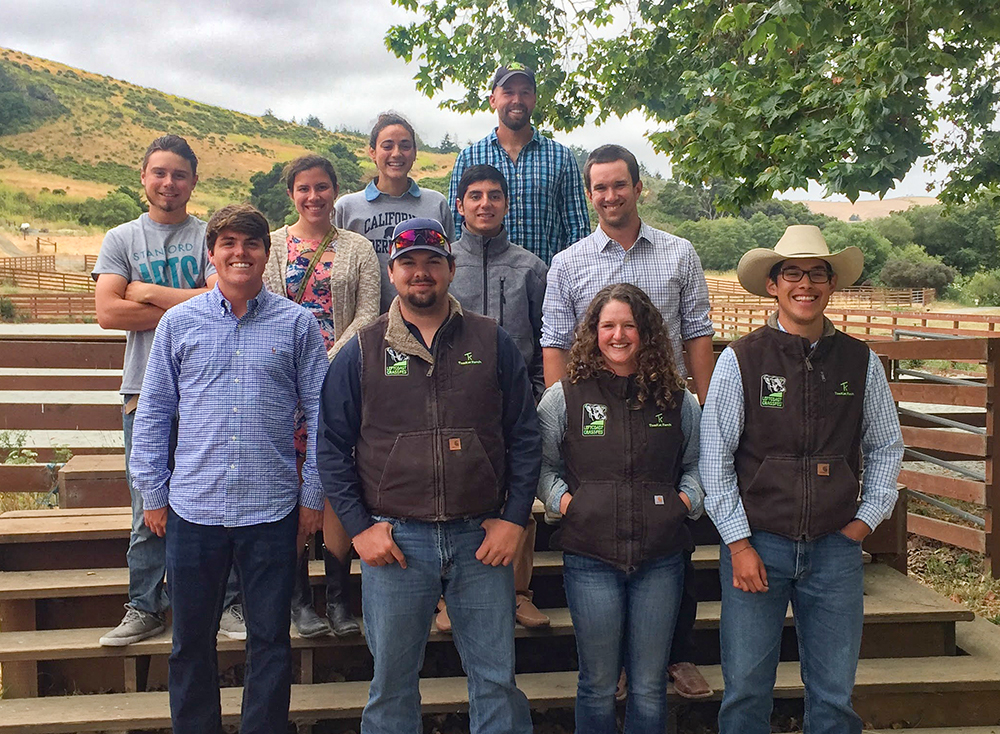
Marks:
<point>469,359</point>
<point>772,391</point>
<point>594,416</point>
<point>658,422</point>
<point>397,364</point>
<point>845,390</point>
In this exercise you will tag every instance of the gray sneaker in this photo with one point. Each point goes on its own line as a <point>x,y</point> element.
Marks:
<point>232,624</point>
<point>135,625</point>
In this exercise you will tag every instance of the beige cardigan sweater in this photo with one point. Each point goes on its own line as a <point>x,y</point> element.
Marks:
<point>355,280</point>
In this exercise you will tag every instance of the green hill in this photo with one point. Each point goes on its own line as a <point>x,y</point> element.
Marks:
<point>83,135</point>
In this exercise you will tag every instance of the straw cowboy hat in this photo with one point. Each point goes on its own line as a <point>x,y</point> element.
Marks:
<point>798,241</point>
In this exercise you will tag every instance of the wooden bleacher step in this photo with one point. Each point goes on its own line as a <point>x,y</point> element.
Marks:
<point>546,690</point>
<point>890,599</point>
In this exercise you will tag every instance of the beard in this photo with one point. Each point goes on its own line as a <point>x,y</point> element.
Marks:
<point>427,299</point>
<point>515,124</point>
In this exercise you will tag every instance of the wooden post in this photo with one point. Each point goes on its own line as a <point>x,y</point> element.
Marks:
<point>20,679</point>
<point>992,452</point>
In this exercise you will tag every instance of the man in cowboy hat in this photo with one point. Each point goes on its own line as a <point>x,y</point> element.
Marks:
<point>791,409</point>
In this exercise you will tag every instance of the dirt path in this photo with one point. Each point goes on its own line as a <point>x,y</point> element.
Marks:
<point>9,248</point>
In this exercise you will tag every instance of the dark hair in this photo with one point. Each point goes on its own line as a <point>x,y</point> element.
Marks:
<point>305,163</point>
<point>482,172</point>
<point>656,376</point>
<point>610,154</point>
<point>387,119</point>
<point>172,144</point>
<point>241,218</point>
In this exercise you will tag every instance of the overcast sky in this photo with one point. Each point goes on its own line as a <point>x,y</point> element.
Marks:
<point>296,57</point>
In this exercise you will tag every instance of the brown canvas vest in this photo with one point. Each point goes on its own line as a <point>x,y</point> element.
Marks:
<point>431,444</point>
<point>623,463</point>
<point>798,461</point>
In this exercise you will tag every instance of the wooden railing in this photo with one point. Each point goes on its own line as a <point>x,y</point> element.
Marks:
<point>53,306</point>
<point>30,262</point>
<point>89,263</point>
<point>41,242</point>
<point>732,292</point>
<point>732,320</point>
<point>44,280</point>
<point>966,431</point>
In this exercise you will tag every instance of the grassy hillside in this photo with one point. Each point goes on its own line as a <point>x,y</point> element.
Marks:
<point>67,130</point>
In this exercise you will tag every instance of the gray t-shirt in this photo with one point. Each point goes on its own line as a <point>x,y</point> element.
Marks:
<point>174,255</point>
<point>374,215</point>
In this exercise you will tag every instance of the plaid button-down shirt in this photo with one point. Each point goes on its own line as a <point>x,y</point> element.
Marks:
<point>235,384</point>
<point>666,267</point>
<point>548,207</point>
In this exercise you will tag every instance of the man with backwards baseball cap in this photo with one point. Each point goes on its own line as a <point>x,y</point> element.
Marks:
<point>791,409</point>
<point>429,451</point>
<point>548,208</point>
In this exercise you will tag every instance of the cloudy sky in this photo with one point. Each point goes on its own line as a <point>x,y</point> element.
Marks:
<point>296,57</point>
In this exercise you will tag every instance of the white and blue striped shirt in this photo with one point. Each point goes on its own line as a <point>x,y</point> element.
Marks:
<point>234,383</point>
<point>722,427</point>
<point>664,266</point>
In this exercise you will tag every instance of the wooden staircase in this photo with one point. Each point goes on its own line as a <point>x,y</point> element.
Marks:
<point>925,661</point>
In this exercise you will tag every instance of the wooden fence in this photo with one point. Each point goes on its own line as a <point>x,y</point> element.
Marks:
<point>53,306</point>
<point>732,320</point>
<point>959,424</point>
<point>43,280</point>
<point>89,263</point>
<point>732,292</point>
<point>30,262</point>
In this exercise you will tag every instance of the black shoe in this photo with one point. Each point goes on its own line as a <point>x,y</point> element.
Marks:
<point>338,596</point>
<point>304,617</point>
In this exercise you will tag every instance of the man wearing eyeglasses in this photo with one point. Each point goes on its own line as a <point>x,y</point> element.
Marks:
<point>429,451</point>
<point>792,408</point>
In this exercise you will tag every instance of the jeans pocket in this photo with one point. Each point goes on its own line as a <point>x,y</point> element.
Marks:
<point>849,539</point>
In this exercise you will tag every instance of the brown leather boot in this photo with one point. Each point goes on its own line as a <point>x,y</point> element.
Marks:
<point>688,681</point>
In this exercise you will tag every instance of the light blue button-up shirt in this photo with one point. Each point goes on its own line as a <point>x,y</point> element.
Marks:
<point>234,383</point>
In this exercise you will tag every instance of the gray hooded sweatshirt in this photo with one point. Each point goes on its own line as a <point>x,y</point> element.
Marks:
<point>504,281</point>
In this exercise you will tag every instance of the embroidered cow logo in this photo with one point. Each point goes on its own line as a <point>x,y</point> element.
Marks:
<point>397,364</point>
<point>594,417</point>
<point>772,391</point>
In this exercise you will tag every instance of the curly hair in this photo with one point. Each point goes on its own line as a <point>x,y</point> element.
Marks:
<point>656,376</point>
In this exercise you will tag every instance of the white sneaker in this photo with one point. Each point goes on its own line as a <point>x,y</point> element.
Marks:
<point>232,624</point>
<point>135,625</point>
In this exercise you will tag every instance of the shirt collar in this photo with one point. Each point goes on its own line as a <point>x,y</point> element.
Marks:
<point>372,192</point>
<point>221,302</point>
<point>536,137</point>
<point>645,235</point>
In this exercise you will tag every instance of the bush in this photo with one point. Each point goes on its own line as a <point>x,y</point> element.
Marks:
<point>7,310</point>
<point>983,288</point>
<point>903,273</point>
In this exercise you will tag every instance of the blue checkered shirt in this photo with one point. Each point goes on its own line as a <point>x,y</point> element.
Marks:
<point>722,428</point>
<point>548,207</point>
<point>666,267</point>
<point>235,385</point>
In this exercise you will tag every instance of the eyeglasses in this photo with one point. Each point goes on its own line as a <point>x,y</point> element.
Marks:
<point>816,275</point>
<point>412,237</point>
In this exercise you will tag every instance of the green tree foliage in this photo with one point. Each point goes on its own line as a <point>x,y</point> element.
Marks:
<point>315,122</point>
<point>720,243</point>
<point>983,288</point>
<point>771,94</point>
<point>911,267</point>
<point>269,195</point>
<point>964,237</point>
<point>24,106</point>
<point>875,247</point>
<point>114,209</point>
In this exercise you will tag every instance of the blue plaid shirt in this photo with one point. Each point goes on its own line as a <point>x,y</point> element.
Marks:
<point>548,208</point>
<point>722,428</point>
<point>666,267</point>
<point>235,385</point>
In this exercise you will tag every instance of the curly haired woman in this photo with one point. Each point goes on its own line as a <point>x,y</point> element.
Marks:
<point>620,463</point>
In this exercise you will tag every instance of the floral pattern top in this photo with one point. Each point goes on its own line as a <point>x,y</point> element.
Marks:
<point>317,298</point>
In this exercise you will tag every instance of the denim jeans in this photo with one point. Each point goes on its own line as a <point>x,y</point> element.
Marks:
<point>623,618</point>
<point>146,556</point>
<point>199,558</point>
<point>823,579</point>
<point>398,607</point>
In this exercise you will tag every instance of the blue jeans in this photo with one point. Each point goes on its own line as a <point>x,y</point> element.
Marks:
<point>398,607</point>
<point>623,618</point>
<point>146,557</point>
<point>824,580</point>
<point>199,558</point>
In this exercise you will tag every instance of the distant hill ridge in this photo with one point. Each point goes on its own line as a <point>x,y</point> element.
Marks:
<point>66,129</point>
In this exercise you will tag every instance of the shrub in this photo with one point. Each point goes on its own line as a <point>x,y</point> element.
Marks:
<point>904,273</point>
<point>983,288</point>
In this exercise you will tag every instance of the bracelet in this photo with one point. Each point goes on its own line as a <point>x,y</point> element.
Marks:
<point>740,551</point>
